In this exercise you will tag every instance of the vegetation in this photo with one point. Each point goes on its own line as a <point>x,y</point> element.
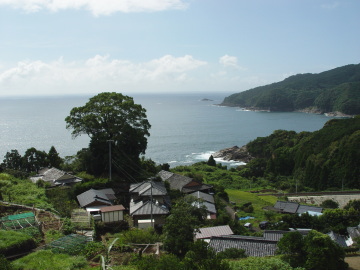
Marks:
<point>329,91</point>
<point>314,251</point>
<point>13,242</point>
<point>45,259</point>
<point>115,120</point>
<point>324,159</point>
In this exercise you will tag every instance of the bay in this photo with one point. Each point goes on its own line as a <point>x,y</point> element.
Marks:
<point>184,127</point>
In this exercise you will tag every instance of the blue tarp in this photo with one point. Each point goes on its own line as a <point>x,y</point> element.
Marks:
<point>246,218</point>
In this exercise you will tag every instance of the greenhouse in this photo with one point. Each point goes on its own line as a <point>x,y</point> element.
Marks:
<point>19,221</point>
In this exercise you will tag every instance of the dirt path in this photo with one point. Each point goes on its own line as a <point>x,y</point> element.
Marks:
<point>354,262</point>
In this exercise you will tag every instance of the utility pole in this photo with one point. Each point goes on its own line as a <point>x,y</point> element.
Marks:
<point>151,204</point>
<point>110,141</point>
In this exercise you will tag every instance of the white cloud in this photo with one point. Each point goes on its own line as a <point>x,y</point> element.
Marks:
<point>97,7</point>
<point>230,61</point>
<point>98,73</point>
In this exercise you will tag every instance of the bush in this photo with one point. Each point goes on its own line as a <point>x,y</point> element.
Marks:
<point>329,204</point>
<point>232,253</point>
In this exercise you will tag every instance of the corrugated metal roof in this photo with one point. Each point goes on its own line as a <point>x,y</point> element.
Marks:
<point>253,246</point>
<point>213,231</point>
<point>112,208</point>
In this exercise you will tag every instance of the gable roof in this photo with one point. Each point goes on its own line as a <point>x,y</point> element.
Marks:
<point>55,177</point>
<point>337,238</point>
<point>203,233</point>
<point>253,246</point>
<point>286,207</point>
<point>176,181</point>
<point>183,183</point>
<point>204,196</point>
<point>149,188</point>
<point>210,207</point>
<point>147,208</point>
<point>103,196</point>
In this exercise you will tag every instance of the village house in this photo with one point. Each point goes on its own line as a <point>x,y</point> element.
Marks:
<point>205,234</point>
<point>55,177</point>
<point>93,200</point>
<point>183,183</point>
<point>149,204</point>
<point>205,200</point>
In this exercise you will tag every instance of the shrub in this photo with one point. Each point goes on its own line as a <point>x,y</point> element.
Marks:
<point>329,204</point>
<point>232,253</point>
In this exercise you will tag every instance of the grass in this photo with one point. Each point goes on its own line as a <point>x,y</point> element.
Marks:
<point>45,259</point>
<point>258,202</point>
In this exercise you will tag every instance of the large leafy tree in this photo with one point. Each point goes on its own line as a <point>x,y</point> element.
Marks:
<point>314,251</point>
<point>111,118</point>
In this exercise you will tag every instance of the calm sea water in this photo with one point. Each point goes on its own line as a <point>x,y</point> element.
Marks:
<point>185,129</point>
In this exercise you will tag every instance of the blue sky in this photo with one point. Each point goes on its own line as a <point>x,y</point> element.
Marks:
<point>56,47</point>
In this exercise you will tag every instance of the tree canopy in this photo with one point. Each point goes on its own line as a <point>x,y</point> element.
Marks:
<point>114,118</point>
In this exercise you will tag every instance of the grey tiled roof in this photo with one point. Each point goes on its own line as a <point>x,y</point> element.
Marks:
<point>253,246</point>
<point>337,238</point>
<point>213,231</point>
<point>287,207</point>
<point>276,235</point>
<point>204,196</point>
<point>146,208</point>
<point>149,188</point>
<point>306,208</point>
<point>55,176</point>
<point>178,181</point>
<point>210,207</point>
<point>104,196</point>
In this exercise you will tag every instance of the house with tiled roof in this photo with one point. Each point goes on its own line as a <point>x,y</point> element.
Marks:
<point>55,177</point>
<point>183,183</point>
<point>149,204</point>
<point>148,213</point>
<point>207,233</point>
<point>296,208</point>
<point>204,200</point>
<point>253,246</point>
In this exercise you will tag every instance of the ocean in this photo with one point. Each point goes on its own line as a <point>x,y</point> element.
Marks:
<point>185,128</point>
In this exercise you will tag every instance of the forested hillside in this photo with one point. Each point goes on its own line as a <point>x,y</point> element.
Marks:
<point>324,159</point>
<point>334,90</point>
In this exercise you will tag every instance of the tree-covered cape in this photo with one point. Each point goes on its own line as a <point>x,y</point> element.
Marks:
<point>334,90</point>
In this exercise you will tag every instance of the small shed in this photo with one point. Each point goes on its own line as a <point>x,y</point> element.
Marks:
<point>112,213</point>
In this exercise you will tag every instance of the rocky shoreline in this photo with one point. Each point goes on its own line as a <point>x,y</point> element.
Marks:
<point>313,110</point>
<point>234,153</point>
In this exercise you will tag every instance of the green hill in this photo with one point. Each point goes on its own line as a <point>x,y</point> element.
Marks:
<point>324,159</point>
<point>334,90</point>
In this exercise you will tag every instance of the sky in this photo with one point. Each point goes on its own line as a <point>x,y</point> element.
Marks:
<point>61,47</point>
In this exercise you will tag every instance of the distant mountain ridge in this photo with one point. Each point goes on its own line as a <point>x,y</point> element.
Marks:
<point>329,91</point>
